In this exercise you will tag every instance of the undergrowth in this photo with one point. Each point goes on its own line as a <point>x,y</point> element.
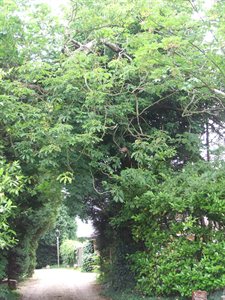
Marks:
<point>132,296</point>
<point>7,294</point>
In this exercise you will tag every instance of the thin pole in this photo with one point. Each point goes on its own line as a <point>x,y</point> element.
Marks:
<point>57,250</point>
<point>207,141</point>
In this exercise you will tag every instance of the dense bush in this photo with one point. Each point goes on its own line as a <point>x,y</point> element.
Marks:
<point>179,222</point>
<point>177,269</point>
<point>116,271</point>
<point>6,294</point>
<point>46,255</point>
<point>3,265</point>
<point>68,251</point>
<point>131,295</point>
<point>90,260</point>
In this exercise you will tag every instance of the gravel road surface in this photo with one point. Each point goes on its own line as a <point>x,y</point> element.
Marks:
<point>51,284</point>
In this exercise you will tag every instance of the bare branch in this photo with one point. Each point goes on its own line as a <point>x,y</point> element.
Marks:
<point>138,114</point>
<point>219,92</point>
<point>116,48</point>
<point>158,101</point>
<point>94,187</point>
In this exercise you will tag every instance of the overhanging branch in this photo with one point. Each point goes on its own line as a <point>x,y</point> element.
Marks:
<point>88,47</point>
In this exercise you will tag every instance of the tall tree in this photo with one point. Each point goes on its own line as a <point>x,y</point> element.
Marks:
<point>113,108</point>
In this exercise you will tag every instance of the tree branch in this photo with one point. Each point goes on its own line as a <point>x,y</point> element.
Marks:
<point>219,92</point>
<point>87,48</point>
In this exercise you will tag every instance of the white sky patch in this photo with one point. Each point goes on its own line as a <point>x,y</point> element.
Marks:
<point>209,3</point>
<point>55,5</point>
<point>209,37</point>
<point>84,229</point>
<point>206,6</point>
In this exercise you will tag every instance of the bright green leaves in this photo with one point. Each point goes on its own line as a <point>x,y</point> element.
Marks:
<point>180,219</point>
<point>11,184</point>
<point>152,150</point>
<point>123,107</point>
<point>65,178</point>
<point>174,268</point>
<point>11,33</point>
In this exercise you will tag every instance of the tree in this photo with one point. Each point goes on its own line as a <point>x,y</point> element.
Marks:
<point>142,85</point>
<point>119,113</point>
<point>28,130</point>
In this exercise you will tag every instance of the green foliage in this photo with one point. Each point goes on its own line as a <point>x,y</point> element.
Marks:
<point>68,250</point>
<point>46,251</point>
<point>11,184</point>
<point>6,294</point>
<point>116,120</point>
<point>179,269</point>
<point>119,274</point>
<point>179,221</point>
<point>90,260</point>
<point>129,295</point>
<point>46,255</point>
<point>28,132</point>
<point>3,264</point>
<point>89,247</point>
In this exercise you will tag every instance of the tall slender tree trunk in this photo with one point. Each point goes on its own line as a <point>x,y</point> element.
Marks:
<point>207,141</point>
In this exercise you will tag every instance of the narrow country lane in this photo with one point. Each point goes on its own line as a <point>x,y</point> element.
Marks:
<point>49,284</point>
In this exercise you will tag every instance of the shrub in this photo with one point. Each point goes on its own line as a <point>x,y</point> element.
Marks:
<point>176,270</point>
<point>6,294</point>
<point>90,258</point>
<point>90,262</point>
<point>68,252</point>
<point>46,255</point>
<point>3,263</point>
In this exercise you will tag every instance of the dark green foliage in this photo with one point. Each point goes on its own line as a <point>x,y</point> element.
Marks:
<point>178,221</point>
<point>129,295</point>
<point>178,270</point>
<point>122,276</point>
<point>90,260</point>
<point>119,126</point>
<point>46,251</point>
<point>26,123</point>
<point>3,264</point>
<point>46,255</point>
<point>216,295</point>
<point>11,184</point>
<point>89,247</point>
<point>6,294</point>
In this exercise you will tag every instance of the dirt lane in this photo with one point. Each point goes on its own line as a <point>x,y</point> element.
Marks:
<point>51,284</point>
